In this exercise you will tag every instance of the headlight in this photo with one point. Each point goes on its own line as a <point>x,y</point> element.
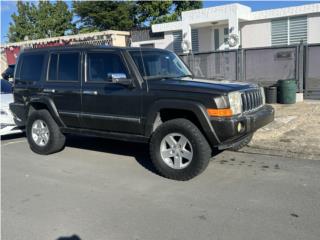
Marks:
<point>235,102</point>
<point>263,95</point>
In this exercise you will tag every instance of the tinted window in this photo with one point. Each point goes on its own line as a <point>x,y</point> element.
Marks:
<point>68,67</point>
<point>102,65</point>
<point>6,87</point>
<point>31,68</point>
<point>53,67</point>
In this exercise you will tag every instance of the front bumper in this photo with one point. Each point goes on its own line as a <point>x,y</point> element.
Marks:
<point>226,128</point>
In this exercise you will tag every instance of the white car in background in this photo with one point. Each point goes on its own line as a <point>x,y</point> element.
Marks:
<point>7,123</point>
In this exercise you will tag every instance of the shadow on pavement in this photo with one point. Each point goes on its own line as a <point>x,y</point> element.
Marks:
<point>13,136</point>
<point>73,237</point>
<point>140,151</point>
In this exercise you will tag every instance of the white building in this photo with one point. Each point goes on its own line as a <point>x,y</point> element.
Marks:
<point>209,29</point>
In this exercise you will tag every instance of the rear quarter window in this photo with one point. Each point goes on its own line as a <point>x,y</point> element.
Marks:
<point>31,67</point>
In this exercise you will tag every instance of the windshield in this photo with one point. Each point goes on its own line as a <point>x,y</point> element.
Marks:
<point>6,87</point>
<point>157,64</point>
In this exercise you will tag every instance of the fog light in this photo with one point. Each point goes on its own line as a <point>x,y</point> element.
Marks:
<point>240,127</point>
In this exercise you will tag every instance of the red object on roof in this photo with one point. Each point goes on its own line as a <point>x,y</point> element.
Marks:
<point>13,51</point>
<point>12,54</point>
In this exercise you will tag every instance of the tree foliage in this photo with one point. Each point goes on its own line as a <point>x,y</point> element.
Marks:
<point>51,19</point>
<point>181,6</point>
<point>104,15</point>
<point>151,12</point>
<point>123,15</point>
<point>41,20</point>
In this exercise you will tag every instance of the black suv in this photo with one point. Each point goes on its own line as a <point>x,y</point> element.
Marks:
<point>134,94</point>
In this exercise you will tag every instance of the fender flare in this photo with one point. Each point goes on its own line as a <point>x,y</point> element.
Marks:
<point>50,106</point>
<point>196,108</point>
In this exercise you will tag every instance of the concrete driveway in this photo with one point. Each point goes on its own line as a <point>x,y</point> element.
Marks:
<point>295,132</point>
<point>101,189</point>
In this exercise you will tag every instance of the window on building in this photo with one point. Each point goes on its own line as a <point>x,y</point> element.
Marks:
<point>31,68</point>
<point>225,35</point>
<point>298,27</point>
<point>102,65</point>
<point>68,67</point>
<point>289,30</point>
<point>195,40</point>
<point>216,39</point>
<point>279,32</point>
<point>177,40</point>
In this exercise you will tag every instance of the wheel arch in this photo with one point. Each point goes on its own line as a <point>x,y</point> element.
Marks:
<point>45,103</point>
<point>194,110</point>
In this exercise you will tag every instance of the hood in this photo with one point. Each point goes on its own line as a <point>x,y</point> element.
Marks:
<point>199,85</point>
<point>6,99</point>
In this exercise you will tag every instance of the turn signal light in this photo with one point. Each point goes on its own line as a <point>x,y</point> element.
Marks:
<point>223,112</point>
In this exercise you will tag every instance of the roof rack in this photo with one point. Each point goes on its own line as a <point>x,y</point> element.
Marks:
<point>68,46</point>
<point>95,36</point>
<point>98,42</point>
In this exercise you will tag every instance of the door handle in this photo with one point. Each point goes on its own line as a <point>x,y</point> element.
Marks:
<point>49,90</point>
<point>90,92</point>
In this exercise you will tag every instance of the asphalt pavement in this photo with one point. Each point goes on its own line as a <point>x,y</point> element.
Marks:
<point>102,189</point>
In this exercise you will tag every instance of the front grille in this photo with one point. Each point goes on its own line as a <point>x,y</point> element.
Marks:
<point>251,100</point>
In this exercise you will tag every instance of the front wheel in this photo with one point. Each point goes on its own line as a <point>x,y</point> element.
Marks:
<point>179,150</point>
<point>43,133</point>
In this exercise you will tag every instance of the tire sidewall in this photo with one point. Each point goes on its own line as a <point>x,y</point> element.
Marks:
<point>198,157</point>
<point>45,117</point>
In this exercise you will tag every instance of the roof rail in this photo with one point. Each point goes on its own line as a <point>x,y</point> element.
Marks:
<point>69,45</point>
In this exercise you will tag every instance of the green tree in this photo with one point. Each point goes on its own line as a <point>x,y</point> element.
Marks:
<point>124,15</point>
<point>151,12</point>
<point>43,20</point>
<point>104,15</point>
<point>181,6</point>
<point>23,22</point>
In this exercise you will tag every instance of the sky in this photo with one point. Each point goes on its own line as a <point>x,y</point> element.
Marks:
<point>9,7</point>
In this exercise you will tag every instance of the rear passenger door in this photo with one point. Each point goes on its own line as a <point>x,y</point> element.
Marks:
<point>109,106</point>
<point>63,85</point>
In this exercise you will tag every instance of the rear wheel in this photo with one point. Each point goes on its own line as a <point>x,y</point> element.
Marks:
<point>43,133</point>
<point>179,150</point>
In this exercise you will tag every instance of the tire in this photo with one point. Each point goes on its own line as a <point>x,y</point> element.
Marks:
<point>244,142</point>
<point>56,140</point>
<point>197,145</point>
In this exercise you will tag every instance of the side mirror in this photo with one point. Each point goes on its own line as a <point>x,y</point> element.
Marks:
<point>120,78</point>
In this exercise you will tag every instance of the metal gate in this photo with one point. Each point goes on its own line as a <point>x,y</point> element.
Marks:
<point>312,72</point>
<point>268,65</point>
<point>264,66</point>
<point>213,65</point>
